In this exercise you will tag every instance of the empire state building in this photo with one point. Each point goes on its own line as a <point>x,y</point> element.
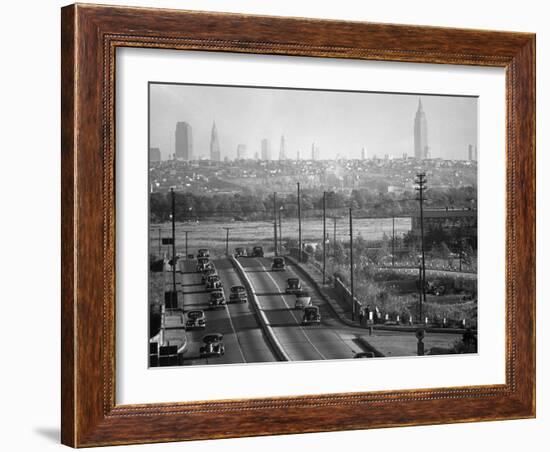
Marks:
<point>214,145</point>
<point>421,149</point>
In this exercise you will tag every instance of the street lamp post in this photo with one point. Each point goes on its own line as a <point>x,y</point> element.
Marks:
<point>351,264</point>
<point>186,243</point>
<point>160,241</point>
<point>324,236</point>
<point>174,291</point>
<point>280,230</point>
<point>393,241</point>
<point>420,182</point>
<point>275,242</point>
<point>334,239</point>
<point>299,225</point>
<point>227,240</point>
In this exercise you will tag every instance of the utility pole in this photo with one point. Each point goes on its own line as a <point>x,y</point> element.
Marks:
<point>460,247</point>
<point>275,223</point>
<point>393,241</point>
<point>160,241</point>
<point>324,236</point>
<point>186,247</point>
<point>280,230</point>
<point>334,239</point>
<point>351,264</point>
<point>174,291</point>
<point>299,225</point>
<point>420,182</point>
<point>227,240</point>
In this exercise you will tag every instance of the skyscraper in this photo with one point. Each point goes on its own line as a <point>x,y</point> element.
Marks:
<point>470,152</point>
<point>214,144</point>
<point>314,152</point>
<point>363,154</point>
<point>282,151</point>
<point>154,155</point>
<point>184,141</point>
<point>421,150</point>
<point>266,149</point>
<point>241,152</point>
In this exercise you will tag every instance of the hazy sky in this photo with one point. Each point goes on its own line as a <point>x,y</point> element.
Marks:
<point>338,122</point>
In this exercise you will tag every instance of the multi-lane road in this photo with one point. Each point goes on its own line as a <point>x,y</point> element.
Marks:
<point>329,340</point>
<point>245,338</point>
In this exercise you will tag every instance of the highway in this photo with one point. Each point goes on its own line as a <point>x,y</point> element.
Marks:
<point>331,339</point>
<point>243,337</point>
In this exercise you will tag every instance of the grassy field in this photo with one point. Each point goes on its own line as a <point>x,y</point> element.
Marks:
<point>210,234</point>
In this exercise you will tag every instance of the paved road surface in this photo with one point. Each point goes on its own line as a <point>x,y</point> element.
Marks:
<point>245,341</point>
<point>330,340</point>
<point>243,337</point>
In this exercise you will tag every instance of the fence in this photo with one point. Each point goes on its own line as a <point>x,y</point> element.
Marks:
<point>344,294</point>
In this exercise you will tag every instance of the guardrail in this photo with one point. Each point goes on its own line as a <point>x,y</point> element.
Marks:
<point>344,293</point>
<point>337,311</point>
<point>268,330</point>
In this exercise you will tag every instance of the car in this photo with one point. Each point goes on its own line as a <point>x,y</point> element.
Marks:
<point>364,355</point>
<point>206,273</point>
<point>257,251</point>
<point>191,256</point>
<point>216,299</point>
<point>237,294</point>
<point>213,346</point>
<point>195,320</point>
<point>311,316</point>
<point>303,300</point>
<point>240,252</point>
<point>213,283</point>
<point>293,285</point>
<point>278,264</point>
<point>203,252</point>
<point>202,263</point>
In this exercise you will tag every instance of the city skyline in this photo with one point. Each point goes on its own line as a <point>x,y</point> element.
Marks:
<point>421,145</point>
<point>184,141</point>
<point>381,123</point>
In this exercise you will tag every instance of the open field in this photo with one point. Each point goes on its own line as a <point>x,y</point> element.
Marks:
<point>210,234</point>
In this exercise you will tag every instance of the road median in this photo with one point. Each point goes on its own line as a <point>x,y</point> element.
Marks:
<point>266,327</point>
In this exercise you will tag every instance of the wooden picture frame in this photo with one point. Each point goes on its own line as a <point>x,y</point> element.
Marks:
<point>90,35</point>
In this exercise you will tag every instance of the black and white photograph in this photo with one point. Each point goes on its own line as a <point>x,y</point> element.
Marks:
<point>291,224</point>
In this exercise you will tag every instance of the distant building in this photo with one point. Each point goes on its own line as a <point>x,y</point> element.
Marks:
<point>184,141</point>
<point>256,156</point>
<point>363,154</point>
<point>266,149</point>
<point>472,152</point>
<point>282,150</point>
<point>298,154</point>
<point>154,155</point>
<point>435,219</point>
<point>241,152</point>
<point>214,145</point>
<point>421,150</point>
<point>314,152</point>
<point>395,189</point>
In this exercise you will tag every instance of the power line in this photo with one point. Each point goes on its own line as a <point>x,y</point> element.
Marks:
<point>420,182</point>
